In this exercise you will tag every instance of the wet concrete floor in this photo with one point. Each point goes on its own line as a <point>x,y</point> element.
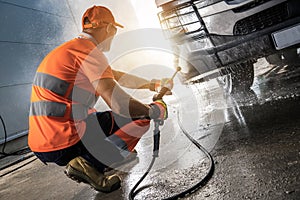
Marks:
<point>254,140</point>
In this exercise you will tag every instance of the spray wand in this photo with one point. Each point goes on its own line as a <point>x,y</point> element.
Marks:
<point>156,138</point>
<point>159,122</point>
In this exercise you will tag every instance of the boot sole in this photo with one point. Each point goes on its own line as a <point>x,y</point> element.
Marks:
<point>80,177</point>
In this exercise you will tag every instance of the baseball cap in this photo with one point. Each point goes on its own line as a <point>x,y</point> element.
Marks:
<point>98,16</point>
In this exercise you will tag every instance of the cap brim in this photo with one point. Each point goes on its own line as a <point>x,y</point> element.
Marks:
<point>119,25</point>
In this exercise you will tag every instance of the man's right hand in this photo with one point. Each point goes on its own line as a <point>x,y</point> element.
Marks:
<point>158,110</point>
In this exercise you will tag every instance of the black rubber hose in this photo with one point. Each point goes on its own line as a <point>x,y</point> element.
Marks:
<point>192,189</point>
<point>5,136</point>
<point>3,153</point>
<point>16,153</point>
<point>206,178</point>
<point>133,193</point>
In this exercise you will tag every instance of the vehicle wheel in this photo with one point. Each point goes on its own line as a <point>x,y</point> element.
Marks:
<point>238,78</point>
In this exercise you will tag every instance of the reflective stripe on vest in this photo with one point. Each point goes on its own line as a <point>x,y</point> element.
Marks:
<point>47,108</point>
<point>51,83</point>
<point>60,87</point>
<point>55,109</point>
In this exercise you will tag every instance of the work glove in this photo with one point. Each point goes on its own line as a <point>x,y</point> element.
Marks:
<point>156,85</point>
<point>158,110</point>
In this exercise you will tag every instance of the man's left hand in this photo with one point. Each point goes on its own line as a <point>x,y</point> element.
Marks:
<point>156,85</point>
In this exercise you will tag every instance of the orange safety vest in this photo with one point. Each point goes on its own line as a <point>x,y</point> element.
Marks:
<point>62,94</point>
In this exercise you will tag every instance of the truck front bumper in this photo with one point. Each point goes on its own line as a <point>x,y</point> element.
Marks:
<point>229,50</point>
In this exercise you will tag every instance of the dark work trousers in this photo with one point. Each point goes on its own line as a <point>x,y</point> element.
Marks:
<point>93,146</point>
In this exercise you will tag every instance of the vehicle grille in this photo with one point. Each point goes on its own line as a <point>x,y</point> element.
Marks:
<point>262,20</point>
<point>181,20</point>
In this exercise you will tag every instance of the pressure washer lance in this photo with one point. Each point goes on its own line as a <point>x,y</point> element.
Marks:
<point>156,138</point>
<point>157,122</point>
<point>133,192</point>
<point>164,90</point>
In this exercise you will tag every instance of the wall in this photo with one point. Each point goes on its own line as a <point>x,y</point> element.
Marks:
<point>29,30</point>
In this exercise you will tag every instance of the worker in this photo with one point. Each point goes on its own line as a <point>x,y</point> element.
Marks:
<point>64,127</point>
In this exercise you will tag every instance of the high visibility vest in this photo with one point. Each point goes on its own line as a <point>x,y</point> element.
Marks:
<point>62,94</point>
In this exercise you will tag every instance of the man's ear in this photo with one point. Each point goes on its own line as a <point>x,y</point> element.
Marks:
<point>108,28</point>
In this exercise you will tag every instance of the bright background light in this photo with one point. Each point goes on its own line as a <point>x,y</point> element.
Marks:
<point>146,12</point>
<point>133,14</point>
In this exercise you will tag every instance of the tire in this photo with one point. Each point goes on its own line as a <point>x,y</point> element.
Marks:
<point>238,78</point>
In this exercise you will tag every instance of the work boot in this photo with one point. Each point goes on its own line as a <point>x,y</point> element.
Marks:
<point>131,157</point>
<point>80,170</point>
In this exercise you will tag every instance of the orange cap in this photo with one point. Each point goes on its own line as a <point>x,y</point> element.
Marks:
<point>98,16</point>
